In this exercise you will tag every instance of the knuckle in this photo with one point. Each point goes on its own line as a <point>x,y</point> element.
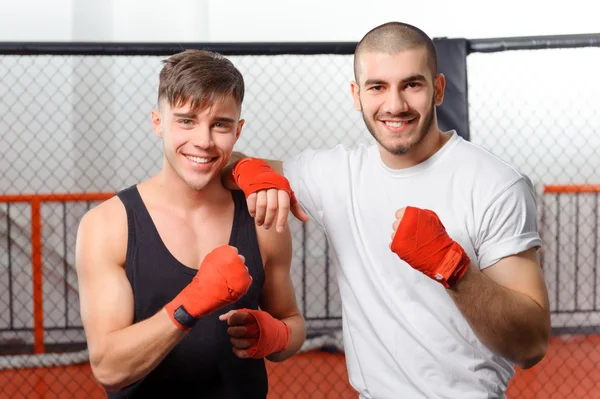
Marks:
<point>261,201</point>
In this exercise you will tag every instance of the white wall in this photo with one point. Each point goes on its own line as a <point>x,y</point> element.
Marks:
<point>104,20</point>
<point>23,20</point>
<point>275,20</point>
<point>348,20</point>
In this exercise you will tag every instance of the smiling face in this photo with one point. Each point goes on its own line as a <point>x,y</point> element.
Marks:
<point>397,94</point>
<point>198,143</point>
<point>200,95</point>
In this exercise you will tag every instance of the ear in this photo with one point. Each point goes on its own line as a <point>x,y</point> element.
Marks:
<point>239,129</point>
<point>356,95</point>
<point>156,123</point>
<point>439,85</point>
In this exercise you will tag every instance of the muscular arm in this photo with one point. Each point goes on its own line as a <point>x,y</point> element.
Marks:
<point>506,305</point>
<point>278,297</point>
<point>120,352</point>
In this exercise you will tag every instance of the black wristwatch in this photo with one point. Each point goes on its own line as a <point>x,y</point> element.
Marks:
<point>184,318</point>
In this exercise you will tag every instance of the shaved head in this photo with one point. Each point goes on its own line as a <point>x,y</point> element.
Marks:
<point>392,38</point>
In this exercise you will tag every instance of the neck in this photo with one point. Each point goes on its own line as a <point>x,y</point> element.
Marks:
<point>172,190</point>
<point>431,143</point>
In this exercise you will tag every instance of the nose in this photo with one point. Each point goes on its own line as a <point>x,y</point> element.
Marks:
<point>202,138</point>
<point>395,103</point>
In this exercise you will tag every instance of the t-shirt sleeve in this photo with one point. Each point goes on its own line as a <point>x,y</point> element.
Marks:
<point>509,225</point>
<point>310,174</point>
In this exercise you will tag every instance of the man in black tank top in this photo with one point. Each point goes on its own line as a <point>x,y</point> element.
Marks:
<point>180,292</point>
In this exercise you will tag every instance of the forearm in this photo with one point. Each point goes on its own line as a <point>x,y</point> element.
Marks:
<point>507,322</point>
<point>297,326</point>
<point>123,357</point>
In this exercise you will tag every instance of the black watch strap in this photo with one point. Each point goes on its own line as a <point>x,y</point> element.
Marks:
<point>184,318</point>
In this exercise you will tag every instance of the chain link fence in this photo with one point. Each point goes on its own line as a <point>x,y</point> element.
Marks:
<point>538,110</point>
<point>81,124</point>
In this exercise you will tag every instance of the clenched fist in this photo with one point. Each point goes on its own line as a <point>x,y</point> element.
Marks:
<point>420,239</point>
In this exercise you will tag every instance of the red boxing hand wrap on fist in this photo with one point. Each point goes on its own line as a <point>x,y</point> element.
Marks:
<point>265,334</point>
<point>422,241</point>
<point>221,279</point>
<point>253,174</point>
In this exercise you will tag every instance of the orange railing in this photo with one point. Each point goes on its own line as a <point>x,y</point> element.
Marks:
<point>35,201</point>
<point>571,188</point>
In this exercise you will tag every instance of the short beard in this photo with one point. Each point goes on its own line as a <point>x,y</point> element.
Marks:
<point>404,149</point>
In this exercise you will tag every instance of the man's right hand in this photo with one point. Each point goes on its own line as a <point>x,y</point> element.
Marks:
<point>268,193</point>
<point>222,278</point>
<point>420,239</point>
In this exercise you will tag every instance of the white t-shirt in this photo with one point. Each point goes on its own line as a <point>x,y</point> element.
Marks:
<point>403,335</point>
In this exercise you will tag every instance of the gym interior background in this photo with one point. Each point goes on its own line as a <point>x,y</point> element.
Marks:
<point>76,89</point>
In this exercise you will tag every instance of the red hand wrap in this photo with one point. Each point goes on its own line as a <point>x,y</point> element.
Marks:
<point>266,334</point>
<point>253,174</point>
<point>221,279</point>
<point>422,241</point>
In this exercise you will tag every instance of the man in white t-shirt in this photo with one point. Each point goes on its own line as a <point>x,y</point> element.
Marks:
<point>455,297</point>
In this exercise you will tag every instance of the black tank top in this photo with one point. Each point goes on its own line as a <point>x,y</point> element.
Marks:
<point>202,364</point>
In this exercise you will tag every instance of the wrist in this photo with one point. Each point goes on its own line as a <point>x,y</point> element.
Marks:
<point>460,271</point>
<point>249,165</point>
<point>227,175</point>
<point>181,310</point>
<point>274,335</point>
<point>454,265</point>
<point>285,334</point>
<point>180,317</point>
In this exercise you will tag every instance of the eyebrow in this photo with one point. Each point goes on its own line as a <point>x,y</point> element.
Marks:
<point>224,119</point>
<point>373,82</point>
<point>412,78</point>
<point>184,115</point>
<point>193,116</point>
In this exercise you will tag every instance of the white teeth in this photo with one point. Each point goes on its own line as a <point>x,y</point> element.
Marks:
<point>394,124</point>
<point>198,159</point>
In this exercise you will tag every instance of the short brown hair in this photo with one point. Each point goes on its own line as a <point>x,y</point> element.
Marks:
<point>198,77</point>
<point>393,37</point>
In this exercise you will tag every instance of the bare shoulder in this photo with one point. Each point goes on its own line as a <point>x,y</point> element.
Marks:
<point>103,231</point>
<point>105,294</point>
<point>275,247</point>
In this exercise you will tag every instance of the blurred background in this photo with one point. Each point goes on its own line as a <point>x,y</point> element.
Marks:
<point>78,81</point>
